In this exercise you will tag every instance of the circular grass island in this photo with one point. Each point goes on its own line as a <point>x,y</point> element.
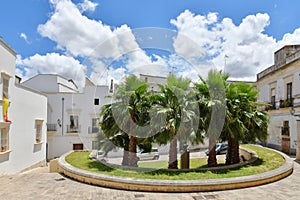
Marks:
<point>264,166</point>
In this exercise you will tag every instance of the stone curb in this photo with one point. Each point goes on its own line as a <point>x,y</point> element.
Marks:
<point>152,185</point>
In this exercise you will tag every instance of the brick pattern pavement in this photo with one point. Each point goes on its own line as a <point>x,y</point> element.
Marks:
<point>40,184</point>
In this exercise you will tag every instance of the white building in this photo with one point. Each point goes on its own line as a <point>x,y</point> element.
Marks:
<point>73,116</point>
<point>279,85</point>
<point>152,81</point>
<point>23,140</point>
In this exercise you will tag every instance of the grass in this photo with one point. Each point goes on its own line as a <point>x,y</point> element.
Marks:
<point>268,160</point>
<point>163,164</point>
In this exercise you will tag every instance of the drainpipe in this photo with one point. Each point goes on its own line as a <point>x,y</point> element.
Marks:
<point>298,140</point>
<point>62,115</point>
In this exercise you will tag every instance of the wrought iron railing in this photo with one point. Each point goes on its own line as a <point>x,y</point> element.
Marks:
<point>51,127</point>
<point>73,129</point>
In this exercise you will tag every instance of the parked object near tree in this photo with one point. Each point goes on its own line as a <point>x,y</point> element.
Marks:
<point>152,155</point>
<point>220,149</point>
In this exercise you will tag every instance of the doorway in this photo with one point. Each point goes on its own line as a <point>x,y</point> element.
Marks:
<point>285,138</point>
<point>78,146</point>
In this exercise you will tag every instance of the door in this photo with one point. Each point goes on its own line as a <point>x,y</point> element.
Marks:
<point>285,135</point>
<point>285,144</point>
<point>78,146</point>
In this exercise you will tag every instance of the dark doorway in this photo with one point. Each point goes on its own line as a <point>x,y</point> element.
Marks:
<point>78,146</point>
<point>285,135</point>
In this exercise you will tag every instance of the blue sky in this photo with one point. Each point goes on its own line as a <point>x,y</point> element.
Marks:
<point>58,36</point>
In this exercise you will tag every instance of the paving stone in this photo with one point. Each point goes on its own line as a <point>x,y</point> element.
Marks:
<point>39,184</point>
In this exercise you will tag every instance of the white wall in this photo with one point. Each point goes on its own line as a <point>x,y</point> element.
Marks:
<point>264,94</point>
<point>81,104</point>
<point>47,86</point>
<point>25,107</point>
<point>279,79</point>
<point>50,83</point>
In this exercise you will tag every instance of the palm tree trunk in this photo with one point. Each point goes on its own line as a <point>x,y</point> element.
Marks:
<point>212,158</point>
<point>173,163</point>
<point>132,158</point>
<point>235,152</point>
<point>233,155</point>
<point>229,152</point>
<point>125,155</point>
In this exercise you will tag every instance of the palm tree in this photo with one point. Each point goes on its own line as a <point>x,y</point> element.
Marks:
<point>244,121</point>
<point>211,98</point>
<point>112,135</point>
<point>174,103</point>
<point>130,110</point>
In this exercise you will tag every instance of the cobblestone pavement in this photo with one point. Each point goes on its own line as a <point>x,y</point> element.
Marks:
<point>40,184</point>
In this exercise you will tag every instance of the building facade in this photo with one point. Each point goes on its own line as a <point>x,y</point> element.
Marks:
<point>279,87</point>
<point>73,116</point>
<point>23,119</point>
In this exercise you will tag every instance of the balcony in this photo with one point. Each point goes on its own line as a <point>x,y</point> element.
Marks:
<point>270,106</point>
<point>286,103</point>
<point>51,127</point>
<point>73,129</point>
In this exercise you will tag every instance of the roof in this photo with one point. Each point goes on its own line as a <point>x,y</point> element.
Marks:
<point>57,75</point>
<point>162,77</point>
<point>7,47</point>
<point>282,57</point>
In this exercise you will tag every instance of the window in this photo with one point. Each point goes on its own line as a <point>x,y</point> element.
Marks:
<point>73,121</point>
<point>285,130</point>
<point>4,140</point>
<point>96,101</point>
<point>39,130</point>
<point>289,91</point>
<point>95,125</point>
<point>273,104</point>
<point>74,126</point>
<point>95,145</point>
<point>5,87</point>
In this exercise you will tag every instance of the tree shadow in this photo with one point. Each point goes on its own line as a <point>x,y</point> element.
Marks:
<point>99,166</point>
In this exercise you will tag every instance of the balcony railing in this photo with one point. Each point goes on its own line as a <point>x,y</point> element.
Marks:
<point>73,129</point>
<point>286,103</point>
<point>270,106</point>
<point>51,127</point>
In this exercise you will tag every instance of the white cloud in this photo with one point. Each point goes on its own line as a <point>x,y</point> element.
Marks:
<point>290,38</point>
<point>248,47</point>
<point>53,63</point>
<point>87,5</point>
<point>72,31</point>
<point>24,36</point>
<point>201,44</point>
<point>98,43</point>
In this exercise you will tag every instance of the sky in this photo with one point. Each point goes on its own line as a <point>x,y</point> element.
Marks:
<point>107,39</point>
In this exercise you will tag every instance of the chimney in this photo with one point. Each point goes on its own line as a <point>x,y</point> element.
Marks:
<point>111,89</point>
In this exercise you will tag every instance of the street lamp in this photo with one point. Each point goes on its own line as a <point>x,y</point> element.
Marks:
<point>292,111</point>
<point>62,115</point>
<point>225,57</point>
